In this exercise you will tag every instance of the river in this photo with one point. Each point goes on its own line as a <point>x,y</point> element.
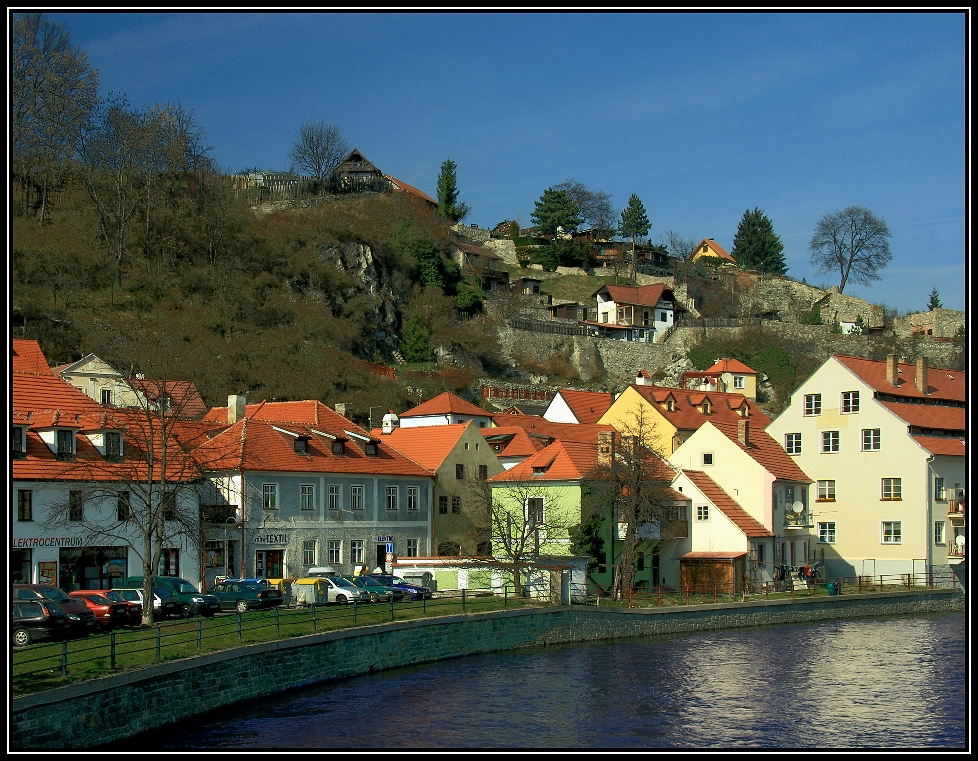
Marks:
<point>895,682</point>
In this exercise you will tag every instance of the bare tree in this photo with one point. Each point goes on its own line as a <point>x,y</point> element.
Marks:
<point>593,206</point>
<point>318,149</point>
<point>682,249</point>
<point>852,242</point>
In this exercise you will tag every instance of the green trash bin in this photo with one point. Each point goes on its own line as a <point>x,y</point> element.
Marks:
<point>833,587</point>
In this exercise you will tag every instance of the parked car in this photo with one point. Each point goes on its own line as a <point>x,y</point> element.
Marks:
<point>165,605</point>
<point>415,591</point>
<point>243,596</point>
<point>192,602</point>
<point>134,608</point>
<point>318,590</point>
<point>109,614</point>
<point>37,619</point>
<point>81,621</point>
<point>378,591</point>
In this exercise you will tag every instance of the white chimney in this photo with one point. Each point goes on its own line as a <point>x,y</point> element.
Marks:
<point>236,408</point>
<point>390,422</point>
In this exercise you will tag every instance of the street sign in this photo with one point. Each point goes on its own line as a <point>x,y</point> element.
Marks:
<point>390,547</point>
<point>390,557</point>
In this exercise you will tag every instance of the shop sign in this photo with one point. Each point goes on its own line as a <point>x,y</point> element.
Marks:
<point>282,538</point>
<point>383,539</point>
<point>48,541</point>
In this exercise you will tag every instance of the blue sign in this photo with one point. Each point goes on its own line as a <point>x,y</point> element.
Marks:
<point>390,547</point>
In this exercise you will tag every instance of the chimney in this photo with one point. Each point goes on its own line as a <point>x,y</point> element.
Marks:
<point>390,422</point>
<point>341,408</point>
<point>891,370</point>
<point>606,447</point>
<point>236,408</point>
<point>920,380</point>
<point>743,432</point>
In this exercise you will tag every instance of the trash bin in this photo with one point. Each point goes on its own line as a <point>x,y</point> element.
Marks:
<point>833,587</point>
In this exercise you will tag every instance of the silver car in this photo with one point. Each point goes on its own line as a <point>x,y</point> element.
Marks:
<point>343,591</point>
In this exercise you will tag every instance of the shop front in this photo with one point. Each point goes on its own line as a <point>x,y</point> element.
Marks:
<point>92,567</point>
<point>270,556</point>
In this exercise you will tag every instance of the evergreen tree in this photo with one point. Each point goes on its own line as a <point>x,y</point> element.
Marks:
<point>934,302</point>
<point>634,222</point>
<point>756,246</point>
<point>448,205</point>
<point>555,209</point>
<point>415,340</point>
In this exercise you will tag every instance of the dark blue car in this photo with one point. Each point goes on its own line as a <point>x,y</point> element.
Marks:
<point>415,591</point>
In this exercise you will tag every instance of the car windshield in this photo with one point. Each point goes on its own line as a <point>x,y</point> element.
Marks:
<point>113,595</point>
<point>184,587</point>
<point>341,582</point>
<point>53,593</point>
<point>161,593</point>
<point>367,582</point>
<point>99,599</point>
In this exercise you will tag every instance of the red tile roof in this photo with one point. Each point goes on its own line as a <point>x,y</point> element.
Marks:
<point>942,445</point>
<point>685,415</point>
<point>764,450</point>
<point>443,404</point>
<point>563,461</point>
<point>731,366</point>
<point>34,393</point>
<point>476,250</point>
<point>535,425</point>
<point>515,441</point>
<point>399,185</point>
<point>751,527</point>
<point>942,383</point>
<point>642,295</point>
<point>929,415</point>
<point>310,412</point>
<point>717,248</point>
<point>426,445</point>
<point>587,406</point>
<point>28,357</point>
<point>184,397</point>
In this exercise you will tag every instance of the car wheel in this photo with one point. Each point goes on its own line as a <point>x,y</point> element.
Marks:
<point>186,612</point>
<point>22,637</point>
<point>341,599</point>
<point>242,606</point>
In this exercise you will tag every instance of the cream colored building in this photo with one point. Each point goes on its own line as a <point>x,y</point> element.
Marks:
<point>98,380</point>
<point>884,443</point>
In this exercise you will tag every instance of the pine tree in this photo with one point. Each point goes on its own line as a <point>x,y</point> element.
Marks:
<point>555,209</point>
<point>448,205</point>
<point>634,222</point>
<point>756,246</point>
<point>415,340</point>
<point>934,302</point>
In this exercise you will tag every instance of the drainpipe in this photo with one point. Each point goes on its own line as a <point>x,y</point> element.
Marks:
<point>929,515</point>
<point>241,492</point>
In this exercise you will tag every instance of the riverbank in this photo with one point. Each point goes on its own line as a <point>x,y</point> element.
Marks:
<point>93,713</point>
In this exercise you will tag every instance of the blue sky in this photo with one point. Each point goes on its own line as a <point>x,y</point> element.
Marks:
<point>703,115</point>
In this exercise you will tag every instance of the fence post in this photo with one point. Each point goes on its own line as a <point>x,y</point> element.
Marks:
<point>687,594</point>
<point>392,605</point>
<point>313,617</point>
<point>424,605</point>
<point>354,612</point>
<point>278,629</point>
<point>158,657</point>
<point>199,636</point>
<point>64,659</point>
<point>881,582</point>
<point>658,596</point>
<point>239,627</point>
<point>112,649</point>
<point>463,601</point>
<point>714,592</point>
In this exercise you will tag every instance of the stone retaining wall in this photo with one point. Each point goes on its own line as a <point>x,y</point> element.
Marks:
<point>91,713</point>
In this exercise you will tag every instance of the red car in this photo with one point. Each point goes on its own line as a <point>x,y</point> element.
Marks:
<point>135,608</point>
<point>108,613</point>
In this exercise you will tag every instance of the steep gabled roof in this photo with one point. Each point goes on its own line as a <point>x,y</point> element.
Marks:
<point>685,416</point>
<point>28,357</point>
<point>400,185</point>
<point>752,528</point>
<point>33,393</point>
<point>534,425</point>
<point>731,366</point>
<point>183,395</point>
<point>641,295</point>
<point>929,415</point>
<point>482,251</point>
<point>310,412</point>
<point>942,384</point>
<point>561,461</point>
<point>764,450</point>
<point>444,404</point>
<point>515,441</point>
<point>717,249</point>
<point>587,406</point>
<point>426,445</point>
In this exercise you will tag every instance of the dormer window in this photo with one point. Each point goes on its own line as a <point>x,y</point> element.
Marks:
<point>706,408</point>
<point>113,445</point>
<point>338,447</point>
<point>65,440</point>
<point>370,449</point>
<point>18,448</point>
<point>670,405</point>
<point>301,445</point>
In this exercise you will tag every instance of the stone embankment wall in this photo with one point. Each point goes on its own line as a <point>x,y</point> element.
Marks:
<point>92,713</point>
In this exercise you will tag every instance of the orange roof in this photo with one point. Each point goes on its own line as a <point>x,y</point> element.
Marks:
<point>942,445</point>
<point>28,357</point>
<point>643,295</point>
<point>717,249</point>
<point>685,416</point>
<point>929,415</point>
<point>942,384</point>
<point>515,441</point>
<point>535,425</point>
<point>445,403</point>
<point>477,250</point>
<point>184,396</point>
<point>731,366</point>
<point>33,393</point>
<point>399,185</point>
<point>562,461</point>
<point>751,527</point>
<point>426,445</point>
<point>310,412</point>
<point>587,406</point>
<point>764,450</point>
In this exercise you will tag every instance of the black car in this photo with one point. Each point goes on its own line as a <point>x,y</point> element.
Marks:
<point>81,621</point>
<point>37,619</point>
<point>415,591</point>
<point>243,596</point>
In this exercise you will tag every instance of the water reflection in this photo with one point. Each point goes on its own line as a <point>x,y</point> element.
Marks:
<point>871,683</point>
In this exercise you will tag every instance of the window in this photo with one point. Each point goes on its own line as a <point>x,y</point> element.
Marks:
<point>113,446</point>
<point>301,445</point>
<point>739,383</point>
<point>17,445</point>
<point>25,499</point>
<point>708,458</point>
<point>106,396</point>
<point>170,562</point>
<point>826,491</point>
<point>939,492</point>
<point>789,495</point>
<point>871,439</point>
<point>333,497</point>
<point>483,471</point>
<point>169,505</point>
<point>892,532</point>
<point>76,506</point>
<point>443,505</point>
<point>307,497</point>
<point>938,532</point>
<point>309,553</point>
<point>702,512</point>
<point>792,443</point>
<point>335,551</point>
<point>123,509</point>
<point>456,505</point>
<point>412,548</point>
<point>813,404</point>
<point>459,471</point>
<point>66,445</point>
<point>830,441</point>
<point>534,511</point>
<point>356,551</point>
<point>392,498</point>
<point>892,489</point>
<point>663,317</point>
<point>356,498</point>
<point>269,493</point>
<point>759,553</point>
<point>850,402</point>
<point>413,503</point>
<point>338,447</point>
<point>826,532</point>
<point>370,449</point>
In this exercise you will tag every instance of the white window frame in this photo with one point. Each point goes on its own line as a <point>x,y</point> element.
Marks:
<point>269,490</point>
<point>738,381</point>
<point>356,497</point>
<point>870,440</point>
<point>891,489</point>
<point>792,443</point>
<point>850,403</point>
<point>813,405</point>
<point>702,513</point>
<point>309,552</point>
<point>891,532</point>
<point>939,532</point>
<point>826,487</point>
<point>413,498</point>
<point>830,442</point>
<point>392,498</point>
<point>412,548</point>
<point>334,496</point>
<point>356,550</point>
<point>940,491</point>
<point>307,497</point>
<point>334,550</point>
<point>826,532</point>
<point>708,456</point>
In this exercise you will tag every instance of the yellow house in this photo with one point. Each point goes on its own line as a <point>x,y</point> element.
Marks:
<point>727,375</point>
<point>665,417</point>
<point>709,248</point>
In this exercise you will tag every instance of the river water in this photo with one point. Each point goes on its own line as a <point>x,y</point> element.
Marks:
<point>895,682</point>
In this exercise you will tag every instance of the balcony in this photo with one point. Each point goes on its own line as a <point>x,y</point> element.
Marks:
<point>955,507</point>
<point>955,550</point>
<point>794,520</point>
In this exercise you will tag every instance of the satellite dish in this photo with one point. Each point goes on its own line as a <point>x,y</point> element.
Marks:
<point>959,540</point>
<point>798,507</point>
<point>727,379</point>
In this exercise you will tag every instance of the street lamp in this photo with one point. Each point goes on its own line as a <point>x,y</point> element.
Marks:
<point>226,522</point>
<point>370,413</point>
